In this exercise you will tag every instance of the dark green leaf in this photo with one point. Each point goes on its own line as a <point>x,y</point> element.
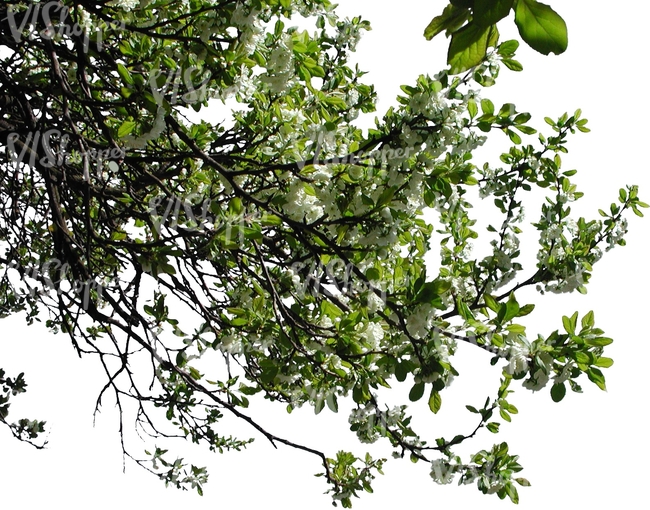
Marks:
<point>488,12</point>
<point>597,377</point>
<point>401,371</point>
<point>557,392</point>
<point>416,392</point>
<point>541,27</point>
<point>451,19</point>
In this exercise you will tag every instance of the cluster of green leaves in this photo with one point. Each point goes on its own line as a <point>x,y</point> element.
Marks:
<point>351,479</point>
<point>24,429</point>
<point>177,473</point>
<point>472,26</point>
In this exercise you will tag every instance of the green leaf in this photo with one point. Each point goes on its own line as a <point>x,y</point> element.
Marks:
<point>126,128</point>
<point>386,196</point>
<point>525,310</point>
<point>435,401</point>
<point>451,19</point>
<point>514,137</point>
<point>427,293</point>
<point>401,371</point>
<point>472,108</point>
<point>557,392</point>
<point>491,303</point>
<point>270,220</point>
<point>487,106</point>
<point>598,342</point>
<point>513,65</point>
<point>469,46</point>
<point>588,320</point>
<point>464,310</point>
<point>541,27</point>
<point>441,286</point>
<point>568,324</point>
<point>604,362</point>
<point>488,12</point>
<point>597,377</point>
<point>511,490</point>
<point>416,392</point>
<point>508,48</point>
<point>332,403</point>
<point>493,427</point>
<point>508,310</point>
<point>125,74</point>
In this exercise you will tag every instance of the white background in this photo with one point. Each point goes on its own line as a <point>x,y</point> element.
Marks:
<point>589,450</point>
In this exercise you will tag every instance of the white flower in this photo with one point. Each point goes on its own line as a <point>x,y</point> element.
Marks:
<point>419,322</point>
<point>326,322</point>
<point>353,98</point>
<point>301,205</point>
<point>442,472</point>
<point>551,233</point>
<point>374,334</point>
<point>295,279</point>
<point>565,374</point>
<point>565,197</point>
<point>281,57</point>
<point>321,173</point>
<point>619,231</point>
<point>126,5</point>
<point>537,382</point>
<point>493,58</point>
<point>409,136</point>
<point>558,252</point>
<point>510,242</point>
<point>518,358</point>
<point>572,227</point>
<point>375,302</point>
<point>503,261</point>
<point>230,344</point>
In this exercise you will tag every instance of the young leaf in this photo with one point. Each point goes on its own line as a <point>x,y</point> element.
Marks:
<point>435,401</point>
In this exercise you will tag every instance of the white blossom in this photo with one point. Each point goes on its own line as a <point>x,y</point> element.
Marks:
<point>518,354</point>
<point>442,472</point>
<point>565,374</point>
<point>374,334</point>
<point>375,302</point>
<point>127,5</point>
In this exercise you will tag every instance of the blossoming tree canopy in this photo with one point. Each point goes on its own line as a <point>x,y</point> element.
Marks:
<point>280,253</point>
